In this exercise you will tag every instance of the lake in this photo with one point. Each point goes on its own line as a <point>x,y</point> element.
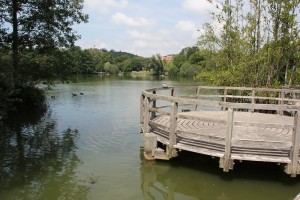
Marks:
<point>89,146</point>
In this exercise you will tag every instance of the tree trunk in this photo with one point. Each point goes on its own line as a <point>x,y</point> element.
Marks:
<point>15,36</point>
<point>258,7</point>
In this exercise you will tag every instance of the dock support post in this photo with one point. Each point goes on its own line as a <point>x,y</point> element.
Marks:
<point>226,162</point>
<point>171,152</point>
<point>293,168</point>
<point>150,145</point>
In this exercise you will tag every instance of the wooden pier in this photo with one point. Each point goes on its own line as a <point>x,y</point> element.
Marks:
<point>230,123</point>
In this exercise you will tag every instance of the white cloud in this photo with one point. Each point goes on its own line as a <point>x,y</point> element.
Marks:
<point>150,42</point>
<point>186,26</point>
<point>202,7</point>
<point>145,36</point>
<point>92,44</point>
<point>120,18</point>
<point>105,5</point>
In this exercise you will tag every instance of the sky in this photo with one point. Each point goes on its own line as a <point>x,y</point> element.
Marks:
<point>143,27</point>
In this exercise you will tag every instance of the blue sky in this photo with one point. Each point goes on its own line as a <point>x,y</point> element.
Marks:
<point>143,27</point>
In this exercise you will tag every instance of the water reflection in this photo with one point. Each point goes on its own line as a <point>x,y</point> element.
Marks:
<point>37,162</point>
<point>162,180</point>
<point>198,177</point>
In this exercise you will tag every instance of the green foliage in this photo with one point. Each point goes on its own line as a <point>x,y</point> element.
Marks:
<point>35,67</point>
<point>178,60</point>
<point>30,98</point>
<point>173,71</point>
<point>118,54</point>
<point>30,34</point>
<point>132,64</point>
<point>156,64</point>
<point>220,78</point>
<point>6,73</point>
<point>111,68</point>
<point>259,47</point>
<point>188,69</point>
<point>87,64</point>
<point>196,58</point>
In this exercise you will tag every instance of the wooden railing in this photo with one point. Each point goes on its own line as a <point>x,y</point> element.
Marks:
<point>174,100</point>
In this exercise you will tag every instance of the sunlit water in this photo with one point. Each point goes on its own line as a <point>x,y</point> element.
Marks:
<point>89,147</point>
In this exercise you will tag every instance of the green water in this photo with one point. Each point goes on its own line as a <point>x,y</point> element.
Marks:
<point>89,147</point>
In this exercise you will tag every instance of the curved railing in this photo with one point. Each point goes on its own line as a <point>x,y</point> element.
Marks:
<point>176,101</point>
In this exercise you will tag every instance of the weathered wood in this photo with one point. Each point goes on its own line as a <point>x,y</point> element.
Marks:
<point>256,158</point>
<point>173,127</point>
<point>241,119</point>
<point>155,110</point>
<point>197,96</point>
<point>228,135</point>
<point>173,92</point>
<point>294,167</point>
<point>280,102</point>
<point>194,149</point>
<point>146,127</point>
<point>142,109</point>
<point>221,104</point>
<point>263,125</point>
<point>226,162</point>
<point>153,114</point>
<point>253,100</point>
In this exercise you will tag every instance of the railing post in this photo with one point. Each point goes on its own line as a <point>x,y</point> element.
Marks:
<point>142,109</point>
<point>171,152</point>
<point>146,115</point>
<point>225,98</point>
<point>173,92</point>
<point>280,102</point>
<point>253,100</point>
<point>226,162</point>
<point>293,168</point>
<point>197,95</point>
<point>153,114</point>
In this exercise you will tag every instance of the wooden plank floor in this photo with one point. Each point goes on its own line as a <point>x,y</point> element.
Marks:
<point>205,132</point>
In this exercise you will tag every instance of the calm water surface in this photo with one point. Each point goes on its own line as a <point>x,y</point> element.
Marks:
<point>89,147</point>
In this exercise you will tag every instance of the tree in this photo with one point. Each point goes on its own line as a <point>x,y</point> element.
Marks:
<point>40,25</point>
<point>259,46</point>
<point>111,68</point>
<point>157,64</point>
<point>178,60</point>
<point>31,34</point>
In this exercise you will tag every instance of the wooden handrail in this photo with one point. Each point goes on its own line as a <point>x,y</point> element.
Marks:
<point>195,99</point>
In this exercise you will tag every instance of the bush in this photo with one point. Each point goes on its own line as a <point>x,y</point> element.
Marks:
<point>29,98</point>
<point>188,70</point>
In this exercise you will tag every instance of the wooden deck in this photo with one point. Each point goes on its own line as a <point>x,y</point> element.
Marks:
<point>206,134</point>
<point>233,131</point>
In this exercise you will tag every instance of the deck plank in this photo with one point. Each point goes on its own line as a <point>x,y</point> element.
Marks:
<point>210,126</point>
